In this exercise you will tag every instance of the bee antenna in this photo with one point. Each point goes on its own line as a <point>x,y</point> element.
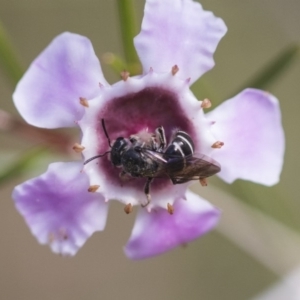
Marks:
<point>105,131</point>
<point>109,143</point>
<point>94,157</point>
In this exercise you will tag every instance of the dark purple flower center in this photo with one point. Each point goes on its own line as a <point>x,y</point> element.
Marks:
<point>148,109</point>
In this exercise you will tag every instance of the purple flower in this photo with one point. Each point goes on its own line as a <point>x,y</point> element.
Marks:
<point>61,89</point>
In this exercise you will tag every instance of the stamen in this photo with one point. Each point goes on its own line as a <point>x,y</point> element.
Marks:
<point>217,145</point>
<point>128,208</point>
<point>93,188</point>
<point>101,85</point>
<point>170,209</point>
<point>83,102</point>
<point>124,75</point>
<point>78,148</point>
<point>203,181</point>
<point>151,70</point>
<point>206,103</point>
<point>175,69</point>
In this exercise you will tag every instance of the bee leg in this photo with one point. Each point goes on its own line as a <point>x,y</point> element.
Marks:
<point>160,132</point>
<point>147,191</point>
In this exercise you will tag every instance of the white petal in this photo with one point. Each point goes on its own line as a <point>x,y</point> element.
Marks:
<point>178,32</point>
<point>58,209</point>
<point>250,126</point>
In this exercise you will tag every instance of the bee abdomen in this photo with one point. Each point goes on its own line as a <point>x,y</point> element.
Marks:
<point>181,146</point>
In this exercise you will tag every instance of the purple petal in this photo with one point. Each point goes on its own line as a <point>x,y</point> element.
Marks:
<point>157,232</point>
<point>178,32</point>
<point>48,94</point>
<point>59,210</point>
<point>250,126</point>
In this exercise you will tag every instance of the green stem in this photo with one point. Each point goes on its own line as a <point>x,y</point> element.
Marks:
<point>51,138</point>
<point>273,69</point>
<point>128,29</point>
<point>9,62</point>
<point>115,62</point>
<point>21,164</point>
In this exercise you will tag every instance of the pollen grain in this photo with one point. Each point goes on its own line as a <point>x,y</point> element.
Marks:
<point>78,148</point>
<point>203,181</point>
<point>206,103</point>
<point>84,102</point>
<point>170,209</point>
<point>124,75</point>
<point>128,208</point>
<point>174,70</point>
<point>93,188</point>
<point>217,145</point>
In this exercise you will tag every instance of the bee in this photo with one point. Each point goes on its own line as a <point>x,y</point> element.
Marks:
<point>148,155</point>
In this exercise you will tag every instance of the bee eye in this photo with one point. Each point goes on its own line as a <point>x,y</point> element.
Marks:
<point>133,140</point>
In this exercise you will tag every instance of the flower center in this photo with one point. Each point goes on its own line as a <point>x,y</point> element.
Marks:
<point>134,113</point>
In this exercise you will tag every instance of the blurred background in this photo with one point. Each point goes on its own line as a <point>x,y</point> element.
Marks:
<point>255,251</point>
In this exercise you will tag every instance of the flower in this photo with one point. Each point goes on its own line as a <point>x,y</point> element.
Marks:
<point>61,89</point>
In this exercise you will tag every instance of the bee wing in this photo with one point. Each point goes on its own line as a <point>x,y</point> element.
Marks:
<point>155,155</point>
<point>184,169</point>
<point>158,159</point>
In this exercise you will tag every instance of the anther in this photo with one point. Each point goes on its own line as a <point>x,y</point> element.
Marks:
<point>170,209</point>
<point>124,75</point>
<point>78,148</point>
<point>203,181</point>
<point>128,208</point>
<point>175,69</point>
<point>93,188</point>
<point>206,103</point>
<point>84,102</point>
<point>217,145</point>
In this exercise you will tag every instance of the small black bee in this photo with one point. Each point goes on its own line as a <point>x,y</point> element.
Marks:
<point>148,155</point>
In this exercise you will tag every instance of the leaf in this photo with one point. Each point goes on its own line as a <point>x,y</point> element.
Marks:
<point>21,164</point>
<point>9,62</point>
<point>274,69</point>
